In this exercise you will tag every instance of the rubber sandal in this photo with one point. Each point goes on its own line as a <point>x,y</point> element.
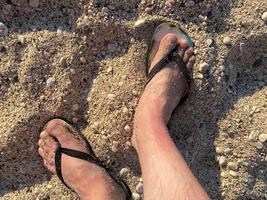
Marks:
<point>90,157</point>
<point>159,33</point>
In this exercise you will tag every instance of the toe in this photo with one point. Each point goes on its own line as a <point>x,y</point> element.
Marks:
<point>41,152</point>
<point>188,53</point>
<point>191,62</point>
<point>50,145</point>
<point>43,134</point>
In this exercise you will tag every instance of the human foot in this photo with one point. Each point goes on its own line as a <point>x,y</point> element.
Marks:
<point>167,87</point>
<point>88,180</point>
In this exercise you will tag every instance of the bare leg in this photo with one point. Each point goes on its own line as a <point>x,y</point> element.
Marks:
<point>88,180</point>
<point>165,173</point>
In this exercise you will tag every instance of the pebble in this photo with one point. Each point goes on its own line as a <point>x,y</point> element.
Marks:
<point>75,119</point>
<point>136,196</point>
<point>111,97</point>
<point>227,40</point>
<point>3,30</point>
<point>259,145</point>
<point>169,3</point>
<point>135,93</point>
<point>110,69</point>
<point>263,138</point>
<point>63,62</point>
<point>222,161</point>
<point>227,150</point>
<point>233,173</point>
<point>112,47</point>
<point>189,4</point>
<point>209,42</point>
<point>233,166</point>
<point>128,143</point>
<point>124,171</point>
<point>140,22</point>
<point>75,107</point>
<point>95,125</point>
<point>223,174</point>
<point>140,188</point>
<point>83,60</point>
<point>264,17</point>
<point>125,110</point>
<point>21,39</point>
<point>34,3</point>
<point>127,128</point>
<point>49,186</point>
<point>222,68</point>
<point>50,82</point>
<point>218,150</point>
<point>203,66</point>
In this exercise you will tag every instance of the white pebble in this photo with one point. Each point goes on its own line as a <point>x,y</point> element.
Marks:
<point>140,188</point>
<point>233,166</point>
<point>128,143</point>
<point>125,110</point>
<point>127,128</point>
<point>63,62</point>
<point>263,138</point>
<point>227,40</point>
<point>259,145</point>
<point>95,125</point>
<point>203,66</point>
<point>140,22</point>
<point>135,92</point>
<point>253,136</point>
<point>72,71</point>
<point>111,97</point>
<point>124,171</point>
<point>209,42</point>
<point>49,186</point>
<point>83,60</point>
<point>136,196</point>
<point>3,29</point>
<point>222,161</point>
<point>218,150</point>
<point>21,39</point>
<point>227,150</point>
<point>34,3</point>
<point>233,173</point>
<point>264,17</point>
<point>50,82</point>
<point>110,69</point>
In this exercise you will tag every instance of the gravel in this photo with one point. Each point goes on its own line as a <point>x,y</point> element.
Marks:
<point>140,188</point>
<point>264,17</point>
<point>227,41</point>
<point>3,30</point>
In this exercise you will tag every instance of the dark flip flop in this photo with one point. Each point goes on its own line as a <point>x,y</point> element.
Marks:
<point>159,33</point>
<point>90,157</point>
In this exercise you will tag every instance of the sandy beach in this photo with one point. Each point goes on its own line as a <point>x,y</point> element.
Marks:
<point>84,60</point>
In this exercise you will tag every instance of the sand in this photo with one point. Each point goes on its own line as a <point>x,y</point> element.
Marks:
<point>93,54</point>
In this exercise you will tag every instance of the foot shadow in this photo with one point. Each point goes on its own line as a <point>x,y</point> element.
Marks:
<point>209,105</point>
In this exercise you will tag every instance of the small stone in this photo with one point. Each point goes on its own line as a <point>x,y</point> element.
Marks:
<point>75,119</point>
<point>203,66</point>
<point>95,126</point>
<point>112,47</point>
<point>114,149</point>
<point>127,128</point>
<point>140,188</point>
<point>136,196</point>
<point>3,30</point>
<point>110,69</point>
<point>209,42</point>
<point>233,173</point>
<point>223,174</point>
<point>264,17</point>
<point>83,60</point>
<point>233,166</point>
<point>125,110</point>
<point>124,171</point>
<point>75,107</point>
<point>222,161</point>
<point>259,145</point>
<point>50,82</point>
<point>63,62</point>
<point>189,4</point>
<point>141,179</point>
<point>72,71</point>
<point>263,138</point>
<point>34,3</point>
<point>128,143</point>
<point>218,150</point>
<point>227,150</point>
<point>227,41</point>
<point>21,39</point>
<point>111,97</point>
<point>170,3</point>
<point>140,22</point>
<point>49,186</point>
<point>135,93</point>
<point>222,68</point>
<point>253,136</point>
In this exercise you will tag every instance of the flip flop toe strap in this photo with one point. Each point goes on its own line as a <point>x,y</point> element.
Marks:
<point>87,157</point>
<point>172,56</point>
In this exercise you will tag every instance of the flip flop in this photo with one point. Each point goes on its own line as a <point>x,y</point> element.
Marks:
<point>90,157</point>
<point>159,33</point>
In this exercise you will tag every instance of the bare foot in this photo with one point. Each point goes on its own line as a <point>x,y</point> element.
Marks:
<point>168,86</point>
<point>88,180</point>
